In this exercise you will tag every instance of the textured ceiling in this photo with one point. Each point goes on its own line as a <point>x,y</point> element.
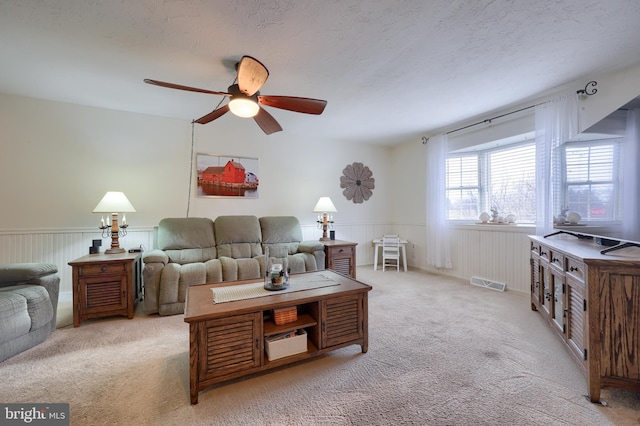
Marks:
<point>389,69</point>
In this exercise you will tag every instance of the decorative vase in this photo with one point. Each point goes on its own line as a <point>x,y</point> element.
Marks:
<point>276,275</point>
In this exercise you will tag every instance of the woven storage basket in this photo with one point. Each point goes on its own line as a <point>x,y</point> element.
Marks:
<point>285,315</point>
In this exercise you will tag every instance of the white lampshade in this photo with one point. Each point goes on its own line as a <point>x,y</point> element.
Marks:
<point>243,107</point>
<point>325,205</point>
<point>114,202</point>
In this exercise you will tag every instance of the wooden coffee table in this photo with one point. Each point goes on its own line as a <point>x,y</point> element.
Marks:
<point>227,340</point>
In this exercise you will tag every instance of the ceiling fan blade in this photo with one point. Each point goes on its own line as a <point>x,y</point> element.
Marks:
<point>213,115</point>
<point>267,123</point>
<point>180,87</point>
<point>251,75</point>
<point>291,103</point>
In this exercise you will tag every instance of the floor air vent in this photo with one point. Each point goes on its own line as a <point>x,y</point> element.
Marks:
<point>493,285</point>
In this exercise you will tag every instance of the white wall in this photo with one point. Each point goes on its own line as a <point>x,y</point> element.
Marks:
<point>57,160</point>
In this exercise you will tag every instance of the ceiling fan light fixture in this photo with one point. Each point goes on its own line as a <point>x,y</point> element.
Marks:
<point>243,106</point>
<point>245,99</point>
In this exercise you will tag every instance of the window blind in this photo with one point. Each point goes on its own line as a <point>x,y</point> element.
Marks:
<point>462,186</point>
<point>590,182</point>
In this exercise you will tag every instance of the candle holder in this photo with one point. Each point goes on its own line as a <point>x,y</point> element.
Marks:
<point>325,222</point>
<point>114,231</point>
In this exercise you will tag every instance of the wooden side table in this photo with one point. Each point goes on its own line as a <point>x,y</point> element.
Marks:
<point>105,285</point>
<point>341,257</point>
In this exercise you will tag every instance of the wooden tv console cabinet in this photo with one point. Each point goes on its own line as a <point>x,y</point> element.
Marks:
<point>227,340</point>
<point>592,301</point>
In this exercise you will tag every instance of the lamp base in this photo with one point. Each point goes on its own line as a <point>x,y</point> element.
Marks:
<point>325,239</point>
<point>114,250</point>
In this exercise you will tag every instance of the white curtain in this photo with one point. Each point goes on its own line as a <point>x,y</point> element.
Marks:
<point>437,246</point>
<point>556,122</point>
<point>631,177</point>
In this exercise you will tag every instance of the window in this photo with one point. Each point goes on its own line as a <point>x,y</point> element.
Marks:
<point>501,178</point>
<point>463,187</point>
<point>589,181</point>
<point>585,178</point>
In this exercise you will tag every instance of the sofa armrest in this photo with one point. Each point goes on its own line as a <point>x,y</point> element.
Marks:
<point>25,273</point>
<point>154,263</point>
<point>42,274</point>
<point>310,246</point>
<point>155,256</point>
<point>316,248</point>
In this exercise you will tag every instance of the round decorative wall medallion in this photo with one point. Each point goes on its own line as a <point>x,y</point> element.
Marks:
<point>358,182</point>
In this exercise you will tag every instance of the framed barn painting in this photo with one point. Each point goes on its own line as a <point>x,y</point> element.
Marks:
<point>227,176</point>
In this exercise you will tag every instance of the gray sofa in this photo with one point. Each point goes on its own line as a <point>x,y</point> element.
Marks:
<point>28,305</point>
<point>190,251</point>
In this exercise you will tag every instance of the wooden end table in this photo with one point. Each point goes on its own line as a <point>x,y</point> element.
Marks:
<point>105,285</point>
<point>341,256</point>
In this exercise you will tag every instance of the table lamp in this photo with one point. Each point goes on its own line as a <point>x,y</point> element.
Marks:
<point>114,202</point>
<point>324,206</point>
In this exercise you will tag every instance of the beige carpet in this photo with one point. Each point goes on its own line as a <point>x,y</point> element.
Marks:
<point>441,352</point>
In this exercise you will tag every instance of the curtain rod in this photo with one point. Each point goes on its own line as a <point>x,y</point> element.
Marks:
<point>489,120</point>
<point>584,91</point>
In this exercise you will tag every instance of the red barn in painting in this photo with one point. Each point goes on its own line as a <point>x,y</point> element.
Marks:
<point>232,174</point>
<point>212,174</point>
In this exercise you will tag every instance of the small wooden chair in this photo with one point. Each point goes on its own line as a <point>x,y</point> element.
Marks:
<point>391,252</point>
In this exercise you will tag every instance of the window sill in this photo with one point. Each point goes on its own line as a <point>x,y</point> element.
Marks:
<point>525,228</point>
<point>530,228</point>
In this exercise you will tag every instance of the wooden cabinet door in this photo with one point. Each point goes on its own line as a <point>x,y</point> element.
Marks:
<point>103,294</point>
<point>342,320</point>
<point>229,345</point>
<point>341,259</point>
<point>617,303</point>
<point>557,316</point>
<point>575,317</point>
<point>536,282</point>
<point>546,282</point>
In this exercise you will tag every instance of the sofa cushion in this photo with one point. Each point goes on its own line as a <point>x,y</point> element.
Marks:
<point>14,316</point>
<point>280,229</point>
<point>282,232</point>
<point>193,255</point>
<point>176,278</point>
<point>185,233</point>
<point>277,250</point>
<point>21,272</point>
<point>187,239</point>
<point>238,237</point>
<point>240,269</point>
<point>302,262</point>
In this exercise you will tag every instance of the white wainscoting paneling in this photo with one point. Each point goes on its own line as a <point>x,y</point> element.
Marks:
<point>495,252</point>
<point>61,247</point>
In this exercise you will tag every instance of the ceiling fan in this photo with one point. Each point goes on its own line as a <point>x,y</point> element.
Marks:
<point>246,98</point>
